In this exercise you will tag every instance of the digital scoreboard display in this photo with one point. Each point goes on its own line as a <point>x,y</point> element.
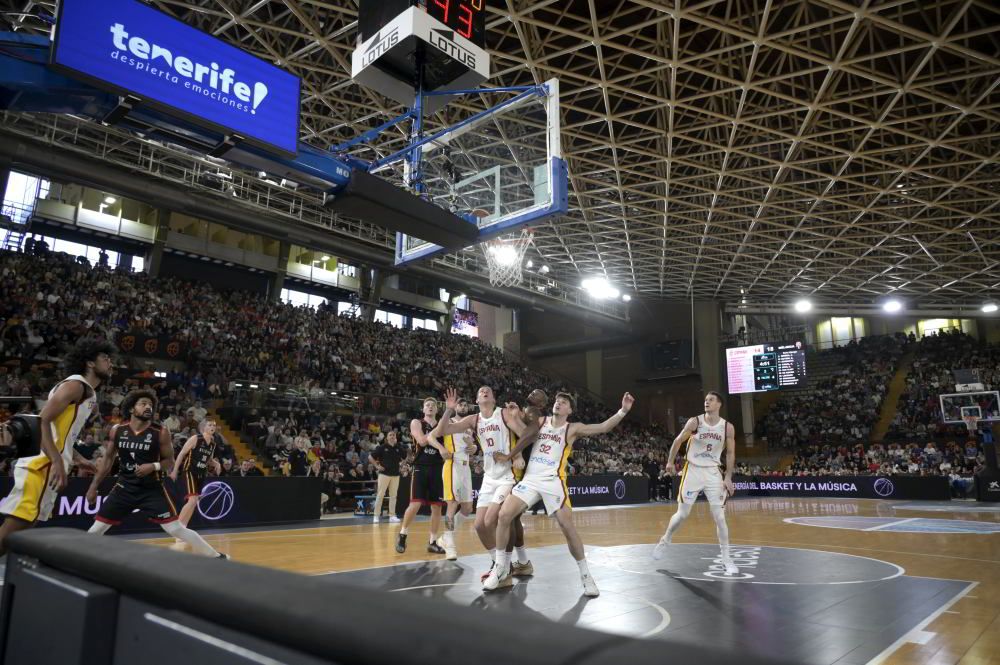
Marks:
<point>765,367</point>
<point>465,17</point>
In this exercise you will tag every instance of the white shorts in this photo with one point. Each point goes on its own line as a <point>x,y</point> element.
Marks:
<point>457,480</point>
<point>31,499</point>
<point>494,491</point>
<point>549,491</point>
<point>697,479</point>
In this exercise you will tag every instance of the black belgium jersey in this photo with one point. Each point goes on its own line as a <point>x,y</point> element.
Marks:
<point>427,455</point>
<point>196,463</point>
<point>137,449</point>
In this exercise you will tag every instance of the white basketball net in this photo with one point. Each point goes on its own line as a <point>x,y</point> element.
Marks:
<point>505,257</point>
<point>971,422</point>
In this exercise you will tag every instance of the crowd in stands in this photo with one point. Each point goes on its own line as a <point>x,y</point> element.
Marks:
<point>918,410</point>
<point>53,299</point>
<point>959,461</point>
<point>840,408</point>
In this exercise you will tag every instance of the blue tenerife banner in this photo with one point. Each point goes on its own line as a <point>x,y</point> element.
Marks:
<point>126,46</point>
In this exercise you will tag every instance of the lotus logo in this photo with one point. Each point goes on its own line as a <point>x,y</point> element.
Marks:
<point>619,489</point>
<point>884,487</point>
<point>216,501</point>
<point>995,485</point>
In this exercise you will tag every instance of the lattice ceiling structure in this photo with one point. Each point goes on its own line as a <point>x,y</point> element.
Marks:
<point>718,149</point>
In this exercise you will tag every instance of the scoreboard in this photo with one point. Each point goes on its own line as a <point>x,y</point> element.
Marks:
<point>765,367</point>
<point>466,17</point>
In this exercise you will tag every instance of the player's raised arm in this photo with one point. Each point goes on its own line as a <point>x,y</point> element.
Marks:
<point>528,433</point>
<point>603,428</point>
<point>445,425</point>
<point>689,428</point>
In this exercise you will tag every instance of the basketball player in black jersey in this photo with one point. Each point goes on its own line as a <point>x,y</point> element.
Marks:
<point>195,458</point>
<point>426,484</point>
<point>145,453</point>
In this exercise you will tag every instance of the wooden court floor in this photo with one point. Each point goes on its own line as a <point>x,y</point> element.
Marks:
<point>966,630</point>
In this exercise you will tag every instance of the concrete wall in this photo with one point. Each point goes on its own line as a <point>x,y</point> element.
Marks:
<point>611,371</point>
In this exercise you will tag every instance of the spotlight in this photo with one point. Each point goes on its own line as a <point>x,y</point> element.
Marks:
<point>627,298</point>
<point>599,288</point>
<point>109,199</point>
<point>989,308</point>
<point>803,306</point>
<point>892,306</point>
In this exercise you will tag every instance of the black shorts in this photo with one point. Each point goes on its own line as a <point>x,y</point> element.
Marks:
<point>153,502</point>
<point>427,486</point>
<point>193,484</point>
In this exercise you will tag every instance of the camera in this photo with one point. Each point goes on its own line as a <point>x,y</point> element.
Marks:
<point>26,434</point>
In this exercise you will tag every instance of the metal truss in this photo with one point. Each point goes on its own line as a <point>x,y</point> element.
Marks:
<point>722,149</point>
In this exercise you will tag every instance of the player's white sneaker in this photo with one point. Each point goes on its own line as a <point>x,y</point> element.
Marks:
<point>376,520</point>
<point>394,520</point>
<point>731,568</point>
<point>497,579</point>
<point>450,552</point>
<point>589,586</point>
<point>660,550</point>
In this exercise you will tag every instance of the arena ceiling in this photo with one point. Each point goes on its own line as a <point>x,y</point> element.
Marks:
<point>720,149</point>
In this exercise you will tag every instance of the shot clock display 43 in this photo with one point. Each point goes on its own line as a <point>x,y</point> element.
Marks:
<point>466,17</point>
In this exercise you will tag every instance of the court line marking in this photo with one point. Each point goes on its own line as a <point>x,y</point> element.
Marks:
<point>873,549</point>
<point>794,520</point>
<point>899,569</point>
<point>660,627</point>
<point>919,628</point>
<point>889,524</point>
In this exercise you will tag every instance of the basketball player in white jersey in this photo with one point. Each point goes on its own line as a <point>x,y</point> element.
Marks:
<point>39,479</point>
<point>545,480</point>
<point>456,476</point>
<point>493,434</point>
<point>706,436</point>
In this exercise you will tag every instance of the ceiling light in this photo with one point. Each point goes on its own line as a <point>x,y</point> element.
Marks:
<point>598,287</point>
<point>803,306</point>
<point>989,308</point>
<point>627,298</point>
<point>892,306</point>
<point>109,199</point>
<point>530,264</point>
<point>544,270</point>
<point>326,257</point>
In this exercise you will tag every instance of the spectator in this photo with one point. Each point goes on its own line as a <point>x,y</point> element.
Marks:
<point>388,457</point>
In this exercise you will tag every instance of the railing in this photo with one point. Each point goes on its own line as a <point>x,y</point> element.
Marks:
<point>760,335</point>
<point>15,214</point>
<point>256,194</point>
<point>245,393</point>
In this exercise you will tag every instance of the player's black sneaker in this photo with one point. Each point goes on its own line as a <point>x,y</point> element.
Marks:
<point>401,543</point>
<point>434,548</point>
<point>223,556</point>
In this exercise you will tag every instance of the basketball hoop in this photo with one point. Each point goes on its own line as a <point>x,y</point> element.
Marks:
<point>971,423</point>
<point>505,256</point>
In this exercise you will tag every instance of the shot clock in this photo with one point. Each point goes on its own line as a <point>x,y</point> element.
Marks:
<point>466,17</point>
